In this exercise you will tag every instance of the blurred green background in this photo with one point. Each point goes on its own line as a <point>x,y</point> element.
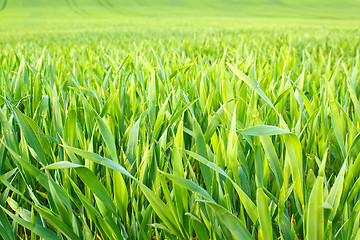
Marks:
<point>304,9</point>
<point>26,20</point>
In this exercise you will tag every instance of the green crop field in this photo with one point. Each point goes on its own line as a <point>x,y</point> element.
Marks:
<point>179,119</point>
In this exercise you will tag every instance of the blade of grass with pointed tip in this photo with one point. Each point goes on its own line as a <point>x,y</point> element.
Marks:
<point>246,201</point>
<point>231,222</point>
<point>251,83</point>
<point>336,192</point>
<point>108,137</point>
<point>201,149</point>
<point>264,214</point>
<point>254,86</point>
<point>338,126</point>
<point>263,130</point>
<point>36,228</point>
<point>351,89</point>
<point>108,104</point>
<point>29,132</point>
<point>89,178</point>
<point>214,123</point>
<point>294,151</point>
<point>159,207</point>
<point>133,142</point>
<point>188,184</point>
<point>315,214</point>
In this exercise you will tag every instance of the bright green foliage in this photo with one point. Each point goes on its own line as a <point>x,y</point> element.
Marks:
<point>199,130</point>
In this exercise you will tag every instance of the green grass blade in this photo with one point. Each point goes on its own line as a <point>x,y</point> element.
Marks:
<point>231,222</point>
<point>264,214</point>
<point>36,228</point>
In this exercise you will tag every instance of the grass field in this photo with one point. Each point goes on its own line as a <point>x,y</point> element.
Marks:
<point>180,119</point>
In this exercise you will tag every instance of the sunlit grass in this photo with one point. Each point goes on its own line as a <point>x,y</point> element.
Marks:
<point>197,127</point>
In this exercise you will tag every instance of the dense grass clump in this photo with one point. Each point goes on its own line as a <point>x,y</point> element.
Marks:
<point>192,131</point>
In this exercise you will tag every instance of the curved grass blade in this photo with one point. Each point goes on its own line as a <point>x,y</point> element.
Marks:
<point>231,222</point>
<point>36,228</point>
